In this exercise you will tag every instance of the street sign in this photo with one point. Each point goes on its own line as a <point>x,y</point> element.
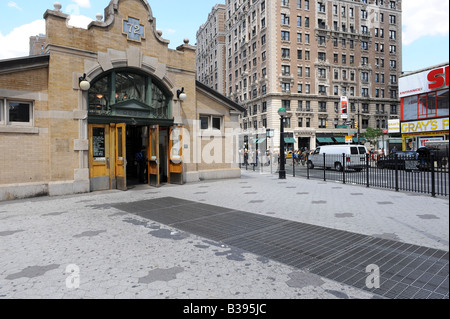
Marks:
<point>348,139</point>
<point>394,126</point>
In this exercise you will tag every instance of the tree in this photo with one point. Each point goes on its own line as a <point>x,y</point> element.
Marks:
<point>372,135</point>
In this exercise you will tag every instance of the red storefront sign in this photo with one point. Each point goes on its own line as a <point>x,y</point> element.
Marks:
<point>424,82</point>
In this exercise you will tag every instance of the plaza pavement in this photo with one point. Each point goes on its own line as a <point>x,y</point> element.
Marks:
<point>82,247</point>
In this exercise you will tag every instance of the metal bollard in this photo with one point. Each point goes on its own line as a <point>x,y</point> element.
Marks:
<point>293,165</point>
<point>343,167</point>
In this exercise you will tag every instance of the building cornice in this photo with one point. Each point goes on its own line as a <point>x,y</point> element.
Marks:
<point>24,63</point>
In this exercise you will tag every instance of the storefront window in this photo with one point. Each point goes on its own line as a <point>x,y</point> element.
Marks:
<point>410,108</point>
<point>442,103</point>
<point>429,105</point>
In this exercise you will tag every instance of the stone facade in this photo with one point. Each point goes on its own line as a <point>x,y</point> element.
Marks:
<point>54,145</point>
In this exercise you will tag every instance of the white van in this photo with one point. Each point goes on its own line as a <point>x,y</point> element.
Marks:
<point>355,157</point>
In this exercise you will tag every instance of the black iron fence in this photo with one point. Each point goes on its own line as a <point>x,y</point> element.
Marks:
<point>426,174</point>
<point>411,173</point>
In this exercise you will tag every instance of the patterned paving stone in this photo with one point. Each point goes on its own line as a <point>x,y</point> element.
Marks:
<point>335,254</point>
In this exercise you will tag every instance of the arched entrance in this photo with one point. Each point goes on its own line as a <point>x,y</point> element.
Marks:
<point>129,111</point>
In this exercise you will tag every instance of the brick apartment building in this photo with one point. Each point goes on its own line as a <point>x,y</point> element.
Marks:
<point>211,50</point>
<point>304,55</point>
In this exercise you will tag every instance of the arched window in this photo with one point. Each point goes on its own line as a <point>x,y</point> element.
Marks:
<point>126,93</point>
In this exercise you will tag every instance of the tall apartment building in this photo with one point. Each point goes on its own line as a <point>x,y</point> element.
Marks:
<point>211,50</point>
<point>304,55</point>
<point>37,44</point>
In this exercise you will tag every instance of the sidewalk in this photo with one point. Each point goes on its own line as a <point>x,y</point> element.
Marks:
<point>83,247</point>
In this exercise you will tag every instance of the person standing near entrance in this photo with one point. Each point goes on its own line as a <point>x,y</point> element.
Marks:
<point>142,164</point>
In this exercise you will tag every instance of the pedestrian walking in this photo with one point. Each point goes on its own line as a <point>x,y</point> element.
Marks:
<point>304,156</point>
<point>142,164</point>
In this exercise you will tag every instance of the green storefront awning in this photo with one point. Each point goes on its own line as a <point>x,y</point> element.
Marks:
<point>289,140</point>
<point>325,140</point>
<point>340,139</point>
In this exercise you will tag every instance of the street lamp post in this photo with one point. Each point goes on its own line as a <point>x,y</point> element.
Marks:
<point>282,172</point>
<point>359,125</point>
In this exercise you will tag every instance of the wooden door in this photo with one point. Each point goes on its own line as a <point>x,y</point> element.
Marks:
<point>121,156</point>
<point>100,156</point>
<point>153,156</point>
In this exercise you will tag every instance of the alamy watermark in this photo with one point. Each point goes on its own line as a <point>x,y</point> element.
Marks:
<point>212,146</point>
<point>373,280</point>
<point>73,280</point>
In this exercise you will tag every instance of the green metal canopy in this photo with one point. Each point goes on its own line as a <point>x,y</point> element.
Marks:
<point>339,139</point>
<point>325,140</point>
<point>289,140</point>
<point>261,140</point>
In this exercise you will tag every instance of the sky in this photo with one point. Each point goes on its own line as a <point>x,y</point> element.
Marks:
<point>425,25</point>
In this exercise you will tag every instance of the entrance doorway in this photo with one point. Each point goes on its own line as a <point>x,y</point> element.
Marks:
<point>304,142</point>
<point>113,159</point>
<point>136,141</point>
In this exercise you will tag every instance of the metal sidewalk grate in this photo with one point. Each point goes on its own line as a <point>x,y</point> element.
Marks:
<point>406,271</point>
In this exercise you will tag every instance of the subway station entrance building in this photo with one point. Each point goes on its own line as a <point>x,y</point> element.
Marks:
<point>72,120</point>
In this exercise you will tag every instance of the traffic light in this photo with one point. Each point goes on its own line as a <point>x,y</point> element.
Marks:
<point>356,124</point>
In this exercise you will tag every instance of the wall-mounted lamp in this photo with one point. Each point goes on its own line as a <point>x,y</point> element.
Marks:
<point>84,83</point>
<point>181,95</point>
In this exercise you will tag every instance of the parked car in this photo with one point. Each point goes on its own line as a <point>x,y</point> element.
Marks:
<point>403,158</point>
<point>438,155</point>
<point>355,157</point>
